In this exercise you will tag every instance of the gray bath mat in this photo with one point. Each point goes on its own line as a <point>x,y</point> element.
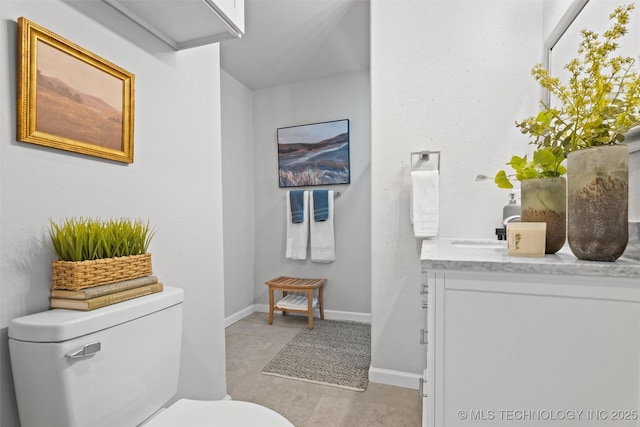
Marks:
<point>334,353</point>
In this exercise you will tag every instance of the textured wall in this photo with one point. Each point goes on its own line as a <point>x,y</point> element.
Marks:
<point>450,76</point>
<point>175,181</point>
<point>238,195</point>
<point>345,96</point>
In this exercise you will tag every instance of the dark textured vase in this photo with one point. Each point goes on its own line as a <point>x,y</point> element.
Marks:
<point>545,200</point>
<point>598,202</point>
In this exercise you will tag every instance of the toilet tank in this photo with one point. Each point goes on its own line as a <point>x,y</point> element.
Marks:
<point>114,366</point>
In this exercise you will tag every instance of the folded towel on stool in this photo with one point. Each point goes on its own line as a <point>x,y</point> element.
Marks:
<point>296,302</point>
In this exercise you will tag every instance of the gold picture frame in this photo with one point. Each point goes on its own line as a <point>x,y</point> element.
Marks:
<point>72,99</point>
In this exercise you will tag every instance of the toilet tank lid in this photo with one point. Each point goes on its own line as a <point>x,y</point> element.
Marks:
<point>59,325</point>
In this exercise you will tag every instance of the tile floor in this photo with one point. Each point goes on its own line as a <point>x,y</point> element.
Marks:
<point>252,343</point>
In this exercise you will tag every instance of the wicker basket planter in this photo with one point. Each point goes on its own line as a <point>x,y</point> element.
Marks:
<point>74,275</point>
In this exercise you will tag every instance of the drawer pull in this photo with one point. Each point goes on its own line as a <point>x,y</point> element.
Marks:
<point>423,334</point>
<point>424,289</point>
<point>421,383</point>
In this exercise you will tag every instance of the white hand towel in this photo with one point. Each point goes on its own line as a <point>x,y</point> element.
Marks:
<point>323,246</point>
<point>297,234</point>
<point>425,207</point>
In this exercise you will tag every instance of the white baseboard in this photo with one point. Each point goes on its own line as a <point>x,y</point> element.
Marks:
<point>263,308</point>
<point>348,316</point>
<point>239,315</point>
<point>328,314</point>
<point>396,378</point>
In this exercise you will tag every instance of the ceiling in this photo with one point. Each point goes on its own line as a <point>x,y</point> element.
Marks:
<point>288,41</point>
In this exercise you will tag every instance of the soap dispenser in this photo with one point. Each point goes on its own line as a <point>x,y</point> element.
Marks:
<point>510,213</point>
<point>512,208</point>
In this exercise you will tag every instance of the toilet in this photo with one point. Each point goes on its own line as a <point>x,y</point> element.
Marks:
<point>115,366</point>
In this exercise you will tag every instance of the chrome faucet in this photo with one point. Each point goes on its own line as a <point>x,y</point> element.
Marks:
<point>512,218</point>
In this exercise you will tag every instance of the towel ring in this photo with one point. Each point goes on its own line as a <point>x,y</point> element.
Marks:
<point>424,155</point>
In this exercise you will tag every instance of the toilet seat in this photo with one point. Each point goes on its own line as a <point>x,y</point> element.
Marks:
<point>222,413</point>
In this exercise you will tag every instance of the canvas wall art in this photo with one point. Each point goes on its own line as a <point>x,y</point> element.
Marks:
<point>72,99</point>
<point>314,154</point>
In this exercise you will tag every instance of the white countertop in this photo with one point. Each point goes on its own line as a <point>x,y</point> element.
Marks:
<point>479,255</point>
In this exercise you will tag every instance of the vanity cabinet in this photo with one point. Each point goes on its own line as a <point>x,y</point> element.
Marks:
<point>426,389</point>
<point>514,348</point>
<point>183,24</point>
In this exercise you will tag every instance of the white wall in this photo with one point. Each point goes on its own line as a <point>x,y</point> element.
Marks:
<point>175,181</point>
<point>450,76</point>
<point>343,96</point>
<point>238,195</point>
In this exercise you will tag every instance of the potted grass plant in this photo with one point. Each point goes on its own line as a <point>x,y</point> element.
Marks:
<point>543,192</point>
<point>93,252</point>
<point>592,112</point>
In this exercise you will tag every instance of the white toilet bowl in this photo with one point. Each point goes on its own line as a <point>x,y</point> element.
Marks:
<point>221,413</point>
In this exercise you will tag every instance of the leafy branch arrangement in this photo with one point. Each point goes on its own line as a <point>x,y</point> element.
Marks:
<point>546,163</point>
<point>601,101</point>
<point>81,239</point>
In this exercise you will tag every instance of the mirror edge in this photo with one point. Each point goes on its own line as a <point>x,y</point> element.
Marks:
<point>560,28</point>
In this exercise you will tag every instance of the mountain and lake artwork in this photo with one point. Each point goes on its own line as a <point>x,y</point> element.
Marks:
<point>314,154</point>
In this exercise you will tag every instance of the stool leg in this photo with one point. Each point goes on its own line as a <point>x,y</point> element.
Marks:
<point>284,294</point>
<point>320,302</point>
<point>310,307</point>
<point>270,305</point>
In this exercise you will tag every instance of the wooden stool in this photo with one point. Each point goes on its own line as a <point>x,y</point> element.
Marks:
<point>293,284</point>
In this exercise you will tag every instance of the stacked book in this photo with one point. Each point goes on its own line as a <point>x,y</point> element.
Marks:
<point>104,295</point>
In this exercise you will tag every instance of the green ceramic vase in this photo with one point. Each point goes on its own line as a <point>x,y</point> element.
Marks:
<point>545,200</point>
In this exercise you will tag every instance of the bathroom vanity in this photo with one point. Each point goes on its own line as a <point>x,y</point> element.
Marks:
<point>529,341</point>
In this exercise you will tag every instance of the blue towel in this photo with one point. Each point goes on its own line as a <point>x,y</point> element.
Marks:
<point>320,205</point>
<point>296,199</point>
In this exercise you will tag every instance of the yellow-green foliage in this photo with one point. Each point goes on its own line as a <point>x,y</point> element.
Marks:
<point>546,163</point>
<point>80,239</point>
<point>601,101</point>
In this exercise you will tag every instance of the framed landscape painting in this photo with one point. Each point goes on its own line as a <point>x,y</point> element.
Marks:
<point>314,154</point>
<point>72,99</point>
